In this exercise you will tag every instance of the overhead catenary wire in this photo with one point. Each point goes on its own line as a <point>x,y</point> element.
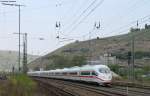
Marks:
<point>83,12</point>
<point>132,8</point>
<point>126,27</point>
<point>131,24</point>
<point>136,6</point>
<point>92,10</point>
<point>76,13</point>
<point>89,13</point>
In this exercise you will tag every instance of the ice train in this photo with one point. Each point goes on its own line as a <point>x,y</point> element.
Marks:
<point>100,74</point>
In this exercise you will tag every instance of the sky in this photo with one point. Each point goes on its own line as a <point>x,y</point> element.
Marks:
<point>76,17</point>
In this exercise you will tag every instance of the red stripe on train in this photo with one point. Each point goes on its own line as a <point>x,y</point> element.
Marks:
<point>91,77</point>
<point>94,78</point>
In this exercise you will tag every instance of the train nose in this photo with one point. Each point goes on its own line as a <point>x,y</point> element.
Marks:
<point>108,77</point>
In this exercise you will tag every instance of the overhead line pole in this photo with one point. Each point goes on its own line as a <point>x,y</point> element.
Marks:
<point>25,57</point>
<point>133,56</point>
<point>90,49</point>
<point>19,24</point>
<point>24,51</point>
<point>133,53</point>
<point>19,41</point>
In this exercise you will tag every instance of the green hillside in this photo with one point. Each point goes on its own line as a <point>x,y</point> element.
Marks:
<point>118,46</point>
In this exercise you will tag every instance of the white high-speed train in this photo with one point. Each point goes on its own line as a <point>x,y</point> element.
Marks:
<point>100,74</point>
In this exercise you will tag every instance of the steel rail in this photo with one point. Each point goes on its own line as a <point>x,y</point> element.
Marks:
<point>61,92</point>
<point>88,88</point>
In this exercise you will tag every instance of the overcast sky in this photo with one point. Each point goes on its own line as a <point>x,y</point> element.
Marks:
<point>38,19</point>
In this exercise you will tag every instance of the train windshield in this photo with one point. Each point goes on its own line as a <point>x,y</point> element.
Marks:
<point>104,70</point>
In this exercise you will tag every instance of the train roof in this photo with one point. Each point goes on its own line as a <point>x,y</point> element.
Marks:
<point>92,67</point>
<point>76,68</point>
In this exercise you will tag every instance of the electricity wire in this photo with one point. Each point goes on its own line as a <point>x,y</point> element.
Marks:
<point>86,15</point>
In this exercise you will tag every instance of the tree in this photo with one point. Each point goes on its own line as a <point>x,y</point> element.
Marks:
<point>147,26</point>
<point>134,29</point>
<point>78,60</point>
<point>146,69</point>
<point>97,38</point>
<point>36,68</point>
<point>60,61</point>
<point>114,68</point>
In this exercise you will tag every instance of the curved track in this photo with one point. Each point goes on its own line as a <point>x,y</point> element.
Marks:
<point>53,90</point>
<point>114,90</point>
<point>77,89</point>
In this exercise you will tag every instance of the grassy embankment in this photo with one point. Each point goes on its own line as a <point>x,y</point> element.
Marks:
<point>18,85</point>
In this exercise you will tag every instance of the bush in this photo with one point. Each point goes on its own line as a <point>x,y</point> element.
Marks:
<point>18,85</point>
<point>78,60</point>
<point>58,61</point>
<point>138,55</point>
<point>114,68</point>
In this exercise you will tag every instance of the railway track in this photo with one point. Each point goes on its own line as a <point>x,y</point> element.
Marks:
<point>133,91</point>
<point>94,89</point>
<point>105,91</point>
<point>82,88</point>
<point>129,91</point>
<point>53,90</point>
<point>131,84</point>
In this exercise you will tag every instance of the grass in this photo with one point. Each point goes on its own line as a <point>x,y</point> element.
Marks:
<point>18,85</point>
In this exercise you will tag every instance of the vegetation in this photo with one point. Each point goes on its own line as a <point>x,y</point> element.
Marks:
<point>114,68</point>
<point>58,61</point>
<point>116,45</point>
<point>147,26</point>
<point>138,55</point>
<point>18,85</point>
<point>141,74</point>
<point>123,56</point>
<point>134,29</point>
<point>37,68</point>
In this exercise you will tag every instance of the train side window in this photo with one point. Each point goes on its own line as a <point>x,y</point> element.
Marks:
<point>85,73</point>
<point>94,73</point>
<point>73,73</point>
<point>49,73</point>
<point>64,73</point>
<point>56,73</point>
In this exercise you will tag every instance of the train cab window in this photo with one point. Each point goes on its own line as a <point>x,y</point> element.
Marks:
<point>94,73</point>
<point>104,70</point>
<point>85,73</point>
